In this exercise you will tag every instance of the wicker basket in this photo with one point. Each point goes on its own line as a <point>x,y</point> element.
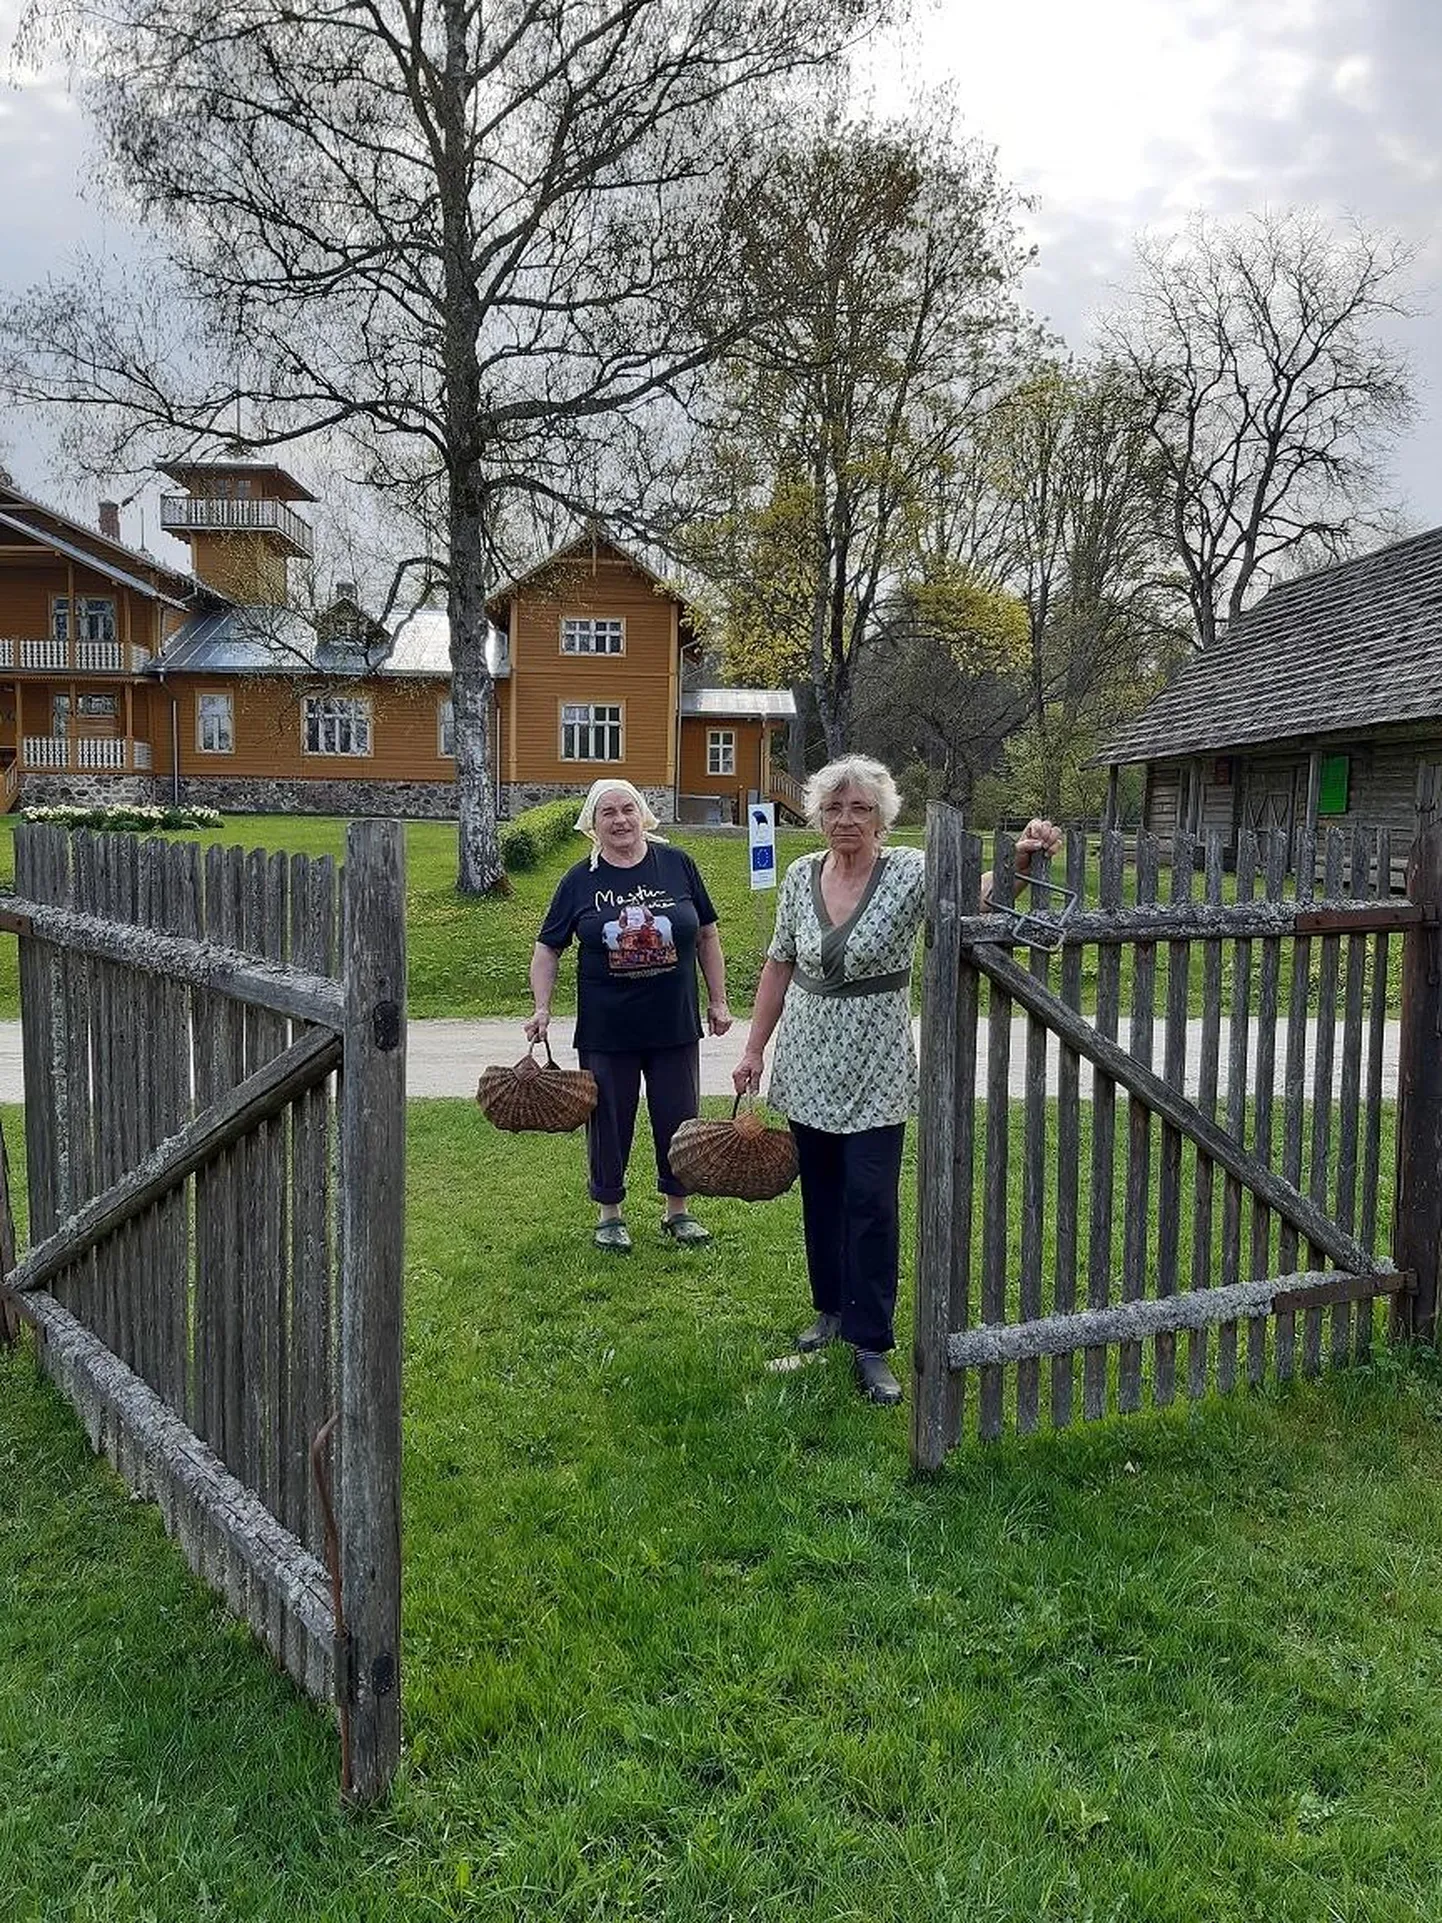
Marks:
<point>549,1100</point>
<point>742,1157</point>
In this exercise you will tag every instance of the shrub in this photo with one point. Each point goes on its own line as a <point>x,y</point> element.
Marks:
<point>142,817</point>
<point>527,840</point>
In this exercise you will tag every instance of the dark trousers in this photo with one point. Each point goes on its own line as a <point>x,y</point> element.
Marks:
<point>673,1095</point>
<point>849,1207</point>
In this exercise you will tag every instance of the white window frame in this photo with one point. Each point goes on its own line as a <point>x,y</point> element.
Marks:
<point>97,617</point>
<point>593,731</point>
<point>336,724</point>
<point>446,729</point>
<point>593,634</point>
<point>214,723</point>
<point>720,751</point>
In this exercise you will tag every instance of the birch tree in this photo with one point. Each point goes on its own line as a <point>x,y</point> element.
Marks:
<point>477,242</point>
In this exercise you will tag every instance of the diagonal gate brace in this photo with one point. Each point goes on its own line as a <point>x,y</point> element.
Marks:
<point>1168,1102</point>
<point>241,1110</point>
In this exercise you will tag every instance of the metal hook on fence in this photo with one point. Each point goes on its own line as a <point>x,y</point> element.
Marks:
<point>320,1469</point>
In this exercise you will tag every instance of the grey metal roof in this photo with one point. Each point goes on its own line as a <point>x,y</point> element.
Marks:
<point>262,640</point>
<point>1351,647</point>
<point>248,640</point>
<point>740,704</point>
<point>422,645</point>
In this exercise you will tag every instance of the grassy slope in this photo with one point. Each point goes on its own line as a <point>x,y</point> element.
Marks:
<point>683,1641</point>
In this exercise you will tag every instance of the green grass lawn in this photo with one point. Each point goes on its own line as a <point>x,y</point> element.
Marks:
<point>683,1641</point>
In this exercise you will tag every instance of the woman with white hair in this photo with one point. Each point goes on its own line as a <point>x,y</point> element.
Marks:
<point>642,919</point>
<point>837,981</point>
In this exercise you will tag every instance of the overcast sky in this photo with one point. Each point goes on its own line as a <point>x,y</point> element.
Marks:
<point>1114,114</point>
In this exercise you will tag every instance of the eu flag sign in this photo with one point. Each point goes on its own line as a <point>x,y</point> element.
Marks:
<point>761,828</point>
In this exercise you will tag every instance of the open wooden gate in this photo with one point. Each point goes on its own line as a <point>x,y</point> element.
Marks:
<point>215,1132</point>
<point>1109,1201</point>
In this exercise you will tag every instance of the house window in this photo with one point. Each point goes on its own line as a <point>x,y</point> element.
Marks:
<point>446,729</point>
<point>720,751</point>
<point>584,635</point>
<point>214,724</point>
<point>94,618</point>
<point>589,732</point>
<point>98,704</point>
<point>335,725</point>
<point>1334,780</point>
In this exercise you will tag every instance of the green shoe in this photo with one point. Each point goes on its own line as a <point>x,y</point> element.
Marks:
<point>686,1230</point>
<point>614,1236</point>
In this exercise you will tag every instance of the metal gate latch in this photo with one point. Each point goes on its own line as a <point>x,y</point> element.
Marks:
<point>1040,927</point>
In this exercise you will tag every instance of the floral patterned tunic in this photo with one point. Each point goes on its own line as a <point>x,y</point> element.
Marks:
<point>844,1059</point>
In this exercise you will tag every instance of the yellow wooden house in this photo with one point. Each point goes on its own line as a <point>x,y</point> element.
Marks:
<point>124,678</point>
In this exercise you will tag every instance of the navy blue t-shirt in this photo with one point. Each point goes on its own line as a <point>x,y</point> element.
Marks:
<point>636,929</point>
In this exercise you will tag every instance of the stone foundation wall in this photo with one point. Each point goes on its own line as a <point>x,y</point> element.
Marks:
<point>264,795</point>
<point>90,791</point>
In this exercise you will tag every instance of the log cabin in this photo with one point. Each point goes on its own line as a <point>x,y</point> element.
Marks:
<point>125,679</point>
<point>1320,707</point>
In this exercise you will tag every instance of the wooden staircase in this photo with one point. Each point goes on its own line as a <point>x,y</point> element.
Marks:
<point>786,794</point>
<point>9,786</point>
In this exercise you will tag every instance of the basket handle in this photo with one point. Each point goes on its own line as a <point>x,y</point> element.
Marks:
<point>545,1043</point>
<point>741,1097</point>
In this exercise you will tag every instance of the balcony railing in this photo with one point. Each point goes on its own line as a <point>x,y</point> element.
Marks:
<point>100,751</point>
<point>99,657</point>
<point>44,651</point>
<point>51,654</point>
<point>89,754</point>
<point>196,514</point>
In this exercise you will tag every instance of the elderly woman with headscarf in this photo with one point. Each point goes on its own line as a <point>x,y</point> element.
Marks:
<point>642,920</point>
<point>837,981</point>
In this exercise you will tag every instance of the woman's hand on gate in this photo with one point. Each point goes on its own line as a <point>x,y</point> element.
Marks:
<point>1039,837</point>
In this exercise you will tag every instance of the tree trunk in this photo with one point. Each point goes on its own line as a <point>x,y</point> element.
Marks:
<point>480,870</point>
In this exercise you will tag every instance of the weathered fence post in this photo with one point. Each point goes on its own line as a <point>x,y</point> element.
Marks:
<point>1417,1223</point>
<point>372,1256</point>
<point>9,1314</point>
<point>936,1225</point>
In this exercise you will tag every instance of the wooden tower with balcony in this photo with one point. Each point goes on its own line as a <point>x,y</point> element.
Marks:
<point>240,525</point>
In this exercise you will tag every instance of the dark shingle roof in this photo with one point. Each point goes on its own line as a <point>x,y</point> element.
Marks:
<point>1354,646</point>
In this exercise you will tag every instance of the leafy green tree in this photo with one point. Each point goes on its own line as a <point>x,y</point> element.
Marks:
<point>901,244</point>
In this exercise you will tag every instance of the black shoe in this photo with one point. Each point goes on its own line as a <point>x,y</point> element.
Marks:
<point>826,1328</point>
<point>877,1383</point>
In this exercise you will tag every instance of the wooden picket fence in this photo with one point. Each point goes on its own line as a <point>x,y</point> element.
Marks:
<point>215,1107</point>
<point>1195,1179</point>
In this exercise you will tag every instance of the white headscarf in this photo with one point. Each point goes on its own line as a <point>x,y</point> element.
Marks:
<point>613,785</point>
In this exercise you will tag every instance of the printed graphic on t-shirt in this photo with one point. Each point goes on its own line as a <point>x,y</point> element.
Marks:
<point>639,939</point>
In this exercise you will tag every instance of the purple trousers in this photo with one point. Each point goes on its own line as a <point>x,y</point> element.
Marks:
<point>673,1095</point>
